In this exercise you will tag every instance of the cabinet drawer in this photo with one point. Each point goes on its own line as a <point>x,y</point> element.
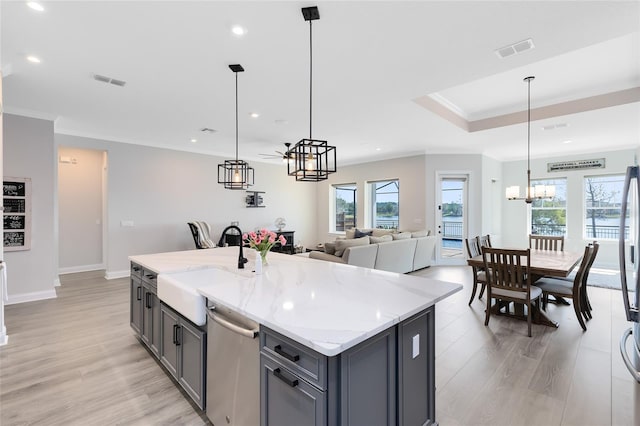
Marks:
<point>308,364</point>
<point>136,270</point>
<point>150,277</point>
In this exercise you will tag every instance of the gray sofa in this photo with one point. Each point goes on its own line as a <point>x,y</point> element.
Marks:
<point>401,256</point>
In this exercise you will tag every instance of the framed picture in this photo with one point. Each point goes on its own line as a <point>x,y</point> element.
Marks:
<point>16,215</point>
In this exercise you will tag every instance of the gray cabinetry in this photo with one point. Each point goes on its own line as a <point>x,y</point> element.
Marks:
<point>145,307</point>
<point>416,370</point>
<point>135,295</point>
<point>182,352</point>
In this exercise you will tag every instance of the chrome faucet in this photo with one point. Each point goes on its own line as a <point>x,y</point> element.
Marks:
<point>241,259</point>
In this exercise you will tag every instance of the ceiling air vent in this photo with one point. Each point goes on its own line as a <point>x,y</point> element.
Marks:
<point>207,130</point>
<point>109,80</point>
<point>515,48</point>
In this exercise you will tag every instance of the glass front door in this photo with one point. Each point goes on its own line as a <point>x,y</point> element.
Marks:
<point>451,216</point>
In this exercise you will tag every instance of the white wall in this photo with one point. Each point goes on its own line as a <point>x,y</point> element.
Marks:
<point>29,152</point>
<point>492,195</point>
<point>161,190</point>
<point>409,170</point>
<point>514,230</point>
<point>80,209</point>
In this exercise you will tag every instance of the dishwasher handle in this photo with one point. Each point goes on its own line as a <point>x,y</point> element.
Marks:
<point>250,333</point>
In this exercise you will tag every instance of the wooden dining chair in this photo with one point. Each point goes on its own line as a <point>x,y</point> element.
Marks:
<point>567,289</point>
<point>484,241</point>
<point>585,304</point>
<point>546,242</point>
<point>508,279</point>
<point>479,274</point>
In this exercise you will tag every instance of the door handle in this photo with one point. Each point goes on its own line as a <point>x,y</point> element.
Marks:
<point>139,293</point>
<point>175,334</point>
<point>293,383</point>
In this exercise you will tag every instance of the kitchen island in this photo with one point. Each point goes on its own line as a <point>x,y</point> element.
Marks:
<point>338,344</point>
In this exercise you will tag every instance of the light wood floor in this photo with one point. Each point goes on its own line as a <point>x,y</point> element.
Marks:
<point>74,360</point>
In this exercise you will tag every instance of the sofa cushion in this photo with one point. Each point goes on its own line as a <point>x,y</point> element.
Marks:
<point>401,236</point>
<point>381,232</point>
<point>341,245</point>
<point>360,234</point>
<point>383,239</point>
<point>325,256</point>
<point>425,247</point>
<point>418,234</point>
<point>330,248</point>
<point>396,256</point>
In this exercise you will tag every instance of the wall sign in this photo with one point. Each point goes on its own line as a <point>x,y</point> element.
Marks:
<point>598,163</point>
<point>16,223</point>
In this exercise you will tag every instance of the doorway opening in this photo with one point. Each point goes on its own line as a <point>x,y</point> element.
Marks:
<point>451,217</point>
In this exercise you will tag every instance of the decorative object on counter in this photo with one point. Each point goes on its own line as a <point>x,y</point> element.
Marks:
<point>311,160</point>
<point>16,196</point>
<point>258,259</point>
<point>254,199</point>
<point>262,241</point>
<point>539,192</point>
<point>280,223</point>
<point>235,174</point>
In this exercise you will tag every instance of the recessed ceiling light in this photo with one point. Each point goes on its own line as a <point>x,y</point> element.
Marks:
<point>194,140</point>
<point>33,59</point>
<point>238,30</point>
<point>254,115</point>
<point>566,141</point>
<point>35,6</point>
<point>378,149</point>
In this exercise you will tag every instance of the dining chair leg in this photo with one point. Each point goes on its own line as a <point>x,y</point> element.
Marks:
<point>529,314</point>
<point>576,308</point>
<point>482,290</point>
<point>488,311</point>
<point>473,292</point>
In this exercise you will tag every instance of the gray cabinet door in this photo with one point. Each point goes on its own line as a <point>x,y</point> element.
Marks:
<point>286,399</point>
<point>416,370</point>
<point>150,319</point>
<point>191,373</point>
<point>135,314</point>
<point>169,326</point>
<point>368,382</point>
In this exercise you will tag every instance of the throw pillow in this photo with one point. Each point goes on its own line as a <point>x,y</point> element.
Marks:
<point>383,239</point>
<point>418,234</point>
<point>382,232</point>
<point>401,236</point>
<point>360,234</point>
<point>330,248</point>
<point>350,233</point>
<point>342,245</point>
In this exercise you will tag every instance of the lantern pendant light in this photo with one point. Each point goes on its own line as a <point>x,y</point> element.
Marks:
<point>539,192</point>
<point>235,174</point>
<point>311,160</point>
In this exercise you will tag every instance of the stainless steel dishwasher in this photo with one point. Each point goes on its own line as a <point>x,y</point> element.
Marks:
<point>233,369</point>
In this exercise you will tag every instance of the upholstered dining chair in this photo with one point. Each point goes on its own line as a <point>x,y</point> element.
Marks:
<point>567,289</point>
<point>479,274</point>
<point>508,279</point>
<point>546,242</point>
<point>201,232</point>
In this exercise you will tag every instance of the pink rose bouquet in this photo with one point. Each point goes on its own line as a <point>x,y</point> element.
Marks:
<point>263,240</point>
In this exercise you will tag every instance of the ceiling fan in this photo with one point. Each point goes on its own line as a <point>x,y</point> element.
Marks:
<point>285,156</point>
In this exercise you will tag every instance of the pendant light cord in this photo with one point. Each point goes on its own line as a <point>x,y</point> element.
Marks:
<point>236,117</point>
<point>310,77</point>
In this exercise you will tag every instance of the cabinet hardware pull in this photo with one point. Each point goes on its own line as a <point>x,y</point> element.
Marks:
<point>178,335</point>
<point>148,300</point>
<point>293,383</point>
<point>175,334</point>
<point>139,293</point>
<point>292,358</point>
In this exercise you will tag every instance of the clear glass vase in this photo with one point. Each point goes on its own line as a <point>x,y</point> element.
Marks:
<point>263,256</point>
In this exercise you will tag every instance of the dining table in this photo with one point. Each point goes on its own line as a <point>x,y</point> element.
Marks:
<point>542,263</point>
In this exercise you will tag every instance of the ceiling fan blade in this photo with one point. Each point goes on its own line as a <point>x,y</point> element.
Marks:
<point>270,155</point>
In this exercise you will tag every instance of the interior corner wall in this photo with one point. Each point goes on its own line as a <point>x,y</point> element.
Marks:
<point>409,170</point>
<point>159,190</point>
<point>492,195</point>
<point>471,163</point>
<point>515,213</point>
<point>29,152</point>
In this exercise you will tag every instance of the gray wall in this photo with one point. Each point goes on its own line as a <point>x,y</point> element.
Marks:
<point>29,152</point>
<point>161,190</point>
<point>80,209</point>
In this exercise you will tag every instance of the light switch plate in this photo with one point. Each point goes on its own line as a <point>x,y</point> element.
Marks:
<point>416,345</point>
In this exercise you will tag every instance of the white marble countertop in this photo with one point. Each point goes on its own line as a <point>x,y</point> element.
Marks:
<point>326,306</point>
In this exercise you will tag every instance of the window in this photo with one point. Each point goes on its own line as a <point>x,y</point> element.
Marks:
<point>385,204</point>
<point>603,198</point>
<point>344,216</point>
<point>549,217</point>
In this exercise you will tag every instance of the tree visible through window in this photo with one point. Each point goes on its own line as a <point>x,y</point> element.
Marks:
<point>385,204</point>
<point>603,199</point>
<point>549,217</point>
<point>345,201</point>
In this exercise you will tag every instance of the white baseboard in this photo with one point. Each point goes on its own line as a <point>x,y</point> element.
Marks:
<point>31,297</point>
<point>112,275</point>
<point>56,282</point>
<point>81,268</point>
<point>4,339</point>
